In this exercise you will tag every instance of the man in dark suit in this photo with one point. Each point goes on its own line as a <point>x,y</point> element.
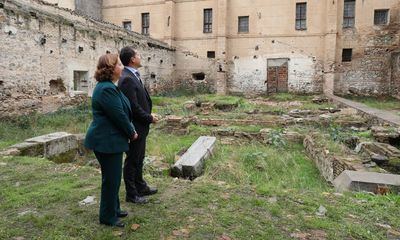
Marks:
<point>133,87</point>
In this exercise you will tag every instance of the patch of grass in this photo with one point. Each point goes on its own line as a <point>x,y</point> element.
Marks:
<point>164,101</point>
<point>364,134</point>
<point>331,139</point>
<point>284,97</point>
<point>73,120</point>
<point>265,167</point>
<point>313,106</point>
<point>167,145</point>
<point>383,102</point>
<point>233,201</point>
<point>218,99</point>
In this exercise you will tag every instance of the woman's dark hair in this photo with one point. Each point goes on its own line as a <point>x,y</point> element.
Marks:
<point>105,67</point>
<point>126,54</point>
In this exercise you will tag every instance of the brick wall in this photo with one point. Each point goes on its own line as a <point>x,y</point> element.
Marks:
<point>370,70</point>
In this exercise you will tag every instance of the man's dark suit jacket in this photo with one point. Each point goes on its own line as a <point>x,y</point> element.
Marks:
<point>140,101</point>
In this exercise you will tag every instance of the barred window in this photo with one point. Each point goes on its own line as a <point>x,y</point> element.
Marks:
<point>243,24</point>
<point>349,13</point>
<point>207,22</point>
<point>127,25</point>
<point>381,17</point>
<point>145,23</point>
<point>301,16</point>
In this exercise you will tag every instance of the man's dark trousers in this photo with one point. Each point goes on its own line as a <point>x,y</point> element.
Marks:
<point>133,168</point>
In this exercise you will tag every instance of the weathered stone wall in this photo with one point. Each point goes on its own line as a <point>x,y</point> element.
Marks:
<point>369,72</point>
<point>395,83</point>
<point>43,47</point>
<point>330,165</point>
<point>195,74</point>
<point>91,8</point>
<point>248,75</point>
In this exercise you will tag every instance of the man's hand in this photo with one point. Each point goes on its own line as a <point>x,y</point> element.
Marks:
<point>134,137</point>
<point>155,118</point>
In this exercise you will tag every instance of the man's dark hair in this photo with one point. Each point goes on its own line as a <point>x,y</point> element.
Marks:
<point>126,54</point>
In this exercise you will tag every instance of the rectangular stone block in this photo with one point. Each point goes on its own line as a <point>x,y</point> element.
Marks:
<point>55,143</point>
<point>191,164</point>
<point>366,181</point>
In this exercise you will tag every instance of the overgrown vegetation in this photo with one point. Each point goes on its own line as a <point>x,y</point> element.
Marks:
<point>248,191</point>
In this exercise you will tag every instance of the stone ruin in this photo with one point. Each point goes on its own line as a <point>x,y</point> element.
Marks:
<point>59,48</point>
<point>353,165</point>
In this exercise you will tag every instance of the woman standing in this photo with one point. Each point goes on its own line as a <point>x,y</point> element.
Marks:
<point>109,134</point>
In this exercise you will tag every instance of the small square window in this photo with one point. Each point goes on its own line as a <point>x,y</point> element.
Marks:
<point>381,17</point>
<point>243,24</point>
<point>347,55</point>
<point>211,54</point>
<point>127,25</point>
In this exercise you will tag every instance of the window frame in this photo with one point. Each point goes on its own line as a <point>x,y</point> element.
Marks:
<point>146,23</point>
<point>240,27</point>
<point>207,20</point>
<point>386,11</point>
<point>347,23</point>
<point>301,16</point>
<point>127,22</point>
<point>209,53</point>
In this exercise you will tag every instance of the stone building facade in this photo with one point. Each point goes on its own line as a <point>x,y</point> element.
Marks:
<point>49,49</point>
<point>49,55</point>
<point>273,45</point>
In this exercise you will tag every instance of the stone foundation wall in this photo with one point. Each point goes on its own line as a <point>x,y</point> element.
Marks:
<point>329,165</point>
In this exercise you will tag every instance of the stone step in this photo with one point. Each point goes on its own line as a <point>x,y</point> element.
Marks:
<point>191,164</point>
<point>367,181</point>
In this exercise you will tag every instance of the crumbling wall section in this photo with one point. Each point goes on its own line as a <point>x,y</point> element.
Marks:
<point>370,70</point>
<point>46,50</point>
<point>194,74</point>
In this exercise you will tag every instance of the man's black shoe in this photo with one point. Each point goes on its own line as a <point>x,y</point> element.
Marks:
<point>137,200</point>
<point>148,191</point>
<point>119,224</point>
<point>122,214</point>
